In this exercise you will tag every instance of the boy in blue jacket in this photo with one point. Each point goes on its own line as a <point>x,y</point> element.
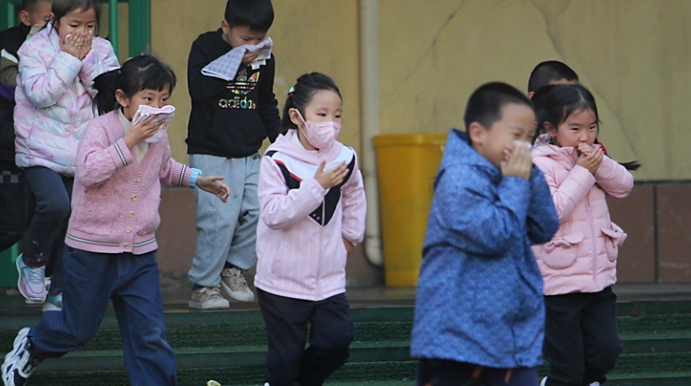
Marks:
<point>479,312</point>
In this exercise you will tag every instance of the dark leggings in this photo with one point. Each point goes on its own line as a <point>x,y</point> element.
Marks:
<point>438,372</point>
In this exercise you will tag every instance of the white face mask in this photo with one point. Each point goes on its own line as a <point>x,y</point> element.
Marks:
<point>321,135</point>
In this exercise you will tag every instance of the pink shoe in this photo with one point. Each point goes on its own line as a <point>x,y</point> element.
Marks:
<point>31,283</point>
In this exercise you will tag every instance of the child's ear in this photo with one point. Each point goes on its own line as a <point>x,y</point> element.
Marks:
<point>295,117</point>
<point>476,132</point>
<point>122,99</point>
<point>24,18</point>
<point>549,129</point>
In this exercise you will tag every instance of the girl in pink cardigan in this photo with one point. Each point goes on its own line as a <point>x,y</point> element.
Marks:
<point>111,242</point>
<point>311,215</point>
<point>579,264</point>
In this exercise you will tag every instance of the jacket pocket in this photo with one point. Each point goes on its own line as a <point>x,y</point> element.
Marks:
<point>562,252</point>
<point>614,237</point>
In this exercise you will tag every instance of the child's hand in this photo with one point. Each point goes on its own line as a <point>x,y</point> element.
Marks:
<point>213,185</point>
<point>249,57</point>
<point>591,161</point>
<point>141,131</point>
<point>331,178</point>
<point>86,44</point>
<point>348,245</point>
<point>519,162</point>
<point>508,151</point>
<point>72,44</point>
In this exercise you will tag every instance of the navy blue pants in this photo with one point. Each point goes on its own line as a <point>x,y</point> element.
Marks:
<point>286,321</point>
<point>582,343</point>
<point>16,205</point>
<point>438,372</point>
<point>46,235</point>
<point>91,281</point>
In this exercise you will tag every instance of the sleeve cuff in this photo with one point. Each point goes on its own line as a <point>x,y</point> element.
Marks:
<point>193,177</point>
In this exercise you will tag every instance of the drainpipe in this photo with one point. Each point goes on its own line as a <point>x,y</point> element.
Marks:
<point>369,104</point>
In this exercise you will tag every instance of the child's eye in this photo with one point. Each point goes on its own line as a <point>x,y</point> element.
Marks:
<point>74,25</point>
<point>148,99</point>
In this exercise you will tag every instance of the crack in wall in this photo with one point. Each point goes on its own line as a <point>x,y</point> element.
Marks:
<point>602,100</point>
<point>397,91</point>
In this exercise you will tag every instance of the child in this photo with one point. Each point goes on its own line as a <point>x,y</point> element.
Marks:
<point>579,264</point>
<point>544,77</point>
<point>111,241</point>
<point>312,210</point>
<point>15,198</point>
<point>233,110</point>
<point>550,72</point>
<point>479,313</point>
<point>54,105</point>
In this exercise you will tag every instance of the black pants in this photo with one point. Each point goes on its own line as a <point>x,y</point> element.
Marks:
<point>16,205</point>
<point>437,372</point>
<point>45,243</point>
<point>286,321</point>
<point>581,339</point>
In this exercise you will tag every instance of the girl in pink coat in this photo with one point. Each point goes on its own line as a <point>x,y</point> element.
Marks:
<point>312,213</point>
<point>579,264</point>
<point>57,67</point>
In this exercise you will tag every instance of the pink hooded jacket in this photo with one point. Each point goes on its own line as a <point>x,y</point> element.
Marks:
<point>582,256</point>
<point>300,250</point>
<point>54,99</point>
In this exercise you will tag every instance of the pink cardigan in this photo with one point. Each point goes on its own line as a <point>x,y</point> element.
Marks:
<point>582,256</point>
<point>115,199</point>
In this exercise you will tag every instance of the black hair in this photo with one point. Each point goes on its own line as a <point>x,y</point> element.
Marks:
<point>550,71</point>
<point>258,15</point>
<point>564,100</point>
<point>485,104</point>
<point>30,5</point>
<point>301,94</point>
<point>143,72</point>
<point>63,7</point>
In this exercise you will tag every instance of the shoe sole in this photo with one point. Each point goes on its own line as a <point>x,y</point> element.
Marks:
<point>50,307</point>
<point>15,349</point>
<point>19,286</point>
<point>248,297</point>
<point>200,306</point>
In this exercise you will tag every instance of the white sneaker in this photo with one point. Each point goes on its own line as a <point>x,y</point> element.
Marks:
<point>543,382</point>
<point>18,365</point>
<point>207,298</point>
<point>596,383</point>
<point>53,303</point>
<point>234,285</point>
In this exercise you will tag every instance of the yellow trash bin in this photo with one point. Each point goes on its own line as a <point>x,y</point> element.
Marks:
<point>406,166</point>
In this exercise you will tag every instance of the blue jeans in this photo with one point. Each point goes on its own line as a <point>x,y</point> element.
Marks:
<point>132,282</point>
<point>227,232</point>
<point>46,235</point>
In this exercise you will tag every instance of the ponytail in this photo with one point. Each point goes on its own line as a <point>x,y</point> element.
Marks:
<point>106,84</point>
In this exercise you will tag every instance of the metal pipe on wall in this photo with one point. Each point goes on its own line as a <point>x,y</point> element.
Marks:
<point>369,100</point>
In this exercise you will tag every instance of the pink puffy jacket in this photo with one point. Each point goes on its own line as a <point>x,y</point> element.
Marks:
<point>582,256</point>
<point>54,99</point>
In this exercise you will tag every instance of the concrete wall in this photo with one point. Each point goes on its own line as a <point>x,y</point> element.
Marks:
<point>633,55</point>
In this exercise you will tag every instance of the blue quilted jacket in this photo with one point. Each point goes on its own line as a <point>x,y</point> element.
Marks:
<point>479,296</point>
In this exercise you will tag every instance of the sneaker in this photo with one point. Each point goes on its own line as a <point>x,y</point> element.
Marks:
<point>234,285</point>
<point>19,365</point>
<point>543,382</point>
<point>208,298</point>
<point>31,283</point>
<point>596,383</point>
<point>53,303</point>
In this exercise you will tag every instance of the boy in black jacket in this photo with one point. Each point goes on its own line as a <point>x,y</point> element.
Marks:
<point>14,193</point>
<point>230,79</point>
